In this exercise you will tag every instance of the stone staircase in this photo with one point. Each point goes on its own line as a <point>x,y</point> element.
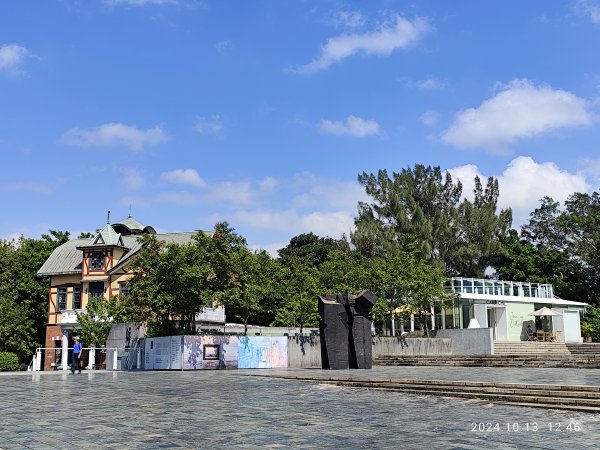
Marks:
<point>509,354</point>
<point>530,348</point>
<point>564,397</point>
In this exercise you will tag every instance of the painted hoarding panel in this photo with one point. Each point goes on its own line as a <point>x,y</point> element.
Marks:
<point>279,352</point>
<point>254,352</point>
<point>210,352</point>
<point>163,353</point>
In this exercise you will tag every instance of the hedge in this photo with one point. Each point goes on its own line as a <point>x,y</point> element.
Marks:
<point>8,362</point>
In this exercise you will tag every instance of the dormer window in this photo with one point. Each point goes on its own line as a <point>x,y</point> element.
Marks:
<point>97,261</point>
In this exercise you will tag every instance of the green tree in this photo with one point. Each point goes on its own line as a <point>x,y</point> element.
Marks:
<point>16,328</point>
<point>98,318</point>
<point>308,248</point>
<point>172,282</point>
<point>252,285</point>
<point>422,205</point>
<point>19,262</point>
<point>300,284</point>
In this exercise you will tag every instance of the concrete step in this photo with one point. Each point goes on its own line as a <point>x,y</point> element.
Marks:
<point>490,361</point>
<point>565,397</point>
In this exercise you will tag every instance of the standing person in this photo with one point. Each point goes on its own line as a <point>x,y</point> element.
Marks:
<point>76,359</point>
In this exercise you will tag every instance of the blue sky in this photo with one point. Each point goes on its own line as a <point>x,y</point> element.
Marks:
<point>263,113</point>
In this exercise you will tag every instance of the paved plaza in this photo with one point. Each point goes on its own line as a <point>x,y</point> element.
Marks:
<point>235,409</point>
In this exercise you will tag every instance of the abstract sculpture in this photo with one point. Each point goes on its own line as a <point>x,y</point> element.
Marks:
<point>345,329</point>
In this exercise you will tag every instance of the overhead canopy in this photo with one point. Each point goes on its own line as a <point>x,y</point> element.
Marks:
<point>545,312</point>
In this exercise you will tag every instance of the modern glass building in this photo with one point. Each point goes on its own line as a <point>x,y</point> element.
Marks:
<point>507,307</point>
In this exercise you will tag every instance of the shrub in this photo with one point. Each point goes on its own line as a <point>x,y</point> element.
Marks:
<point>8,362</point>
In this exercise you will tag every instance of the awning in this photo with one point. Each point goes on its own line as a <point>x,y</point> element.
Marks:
<point>515,299</point>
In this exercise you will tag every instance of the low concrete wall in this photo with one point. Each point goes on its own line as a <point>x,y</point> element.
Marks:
<point>411,346</point>
<point>304,351</point>
<point>128,338</point>
<point>469,341</point>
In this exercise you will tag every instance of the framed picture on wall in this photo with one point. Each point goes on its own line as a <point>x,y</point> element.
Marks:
<point>211,352</point>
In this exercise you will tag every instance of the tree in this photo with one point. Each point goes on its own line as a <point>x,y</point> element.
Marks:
<point>421,205</point>
<point>173,282</point>
<point>16,328</point>
<point>307,248</point>
<point>299,282</point>
<point>19,262</point>
<point>98,318</point>
<point>558,247</point>
<point>253,277</point>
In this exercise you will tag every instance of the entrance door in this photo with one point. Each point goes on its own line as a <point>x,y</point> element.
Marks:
<point>491,320</point>
<point>571,326</point>
<point>96,289</point>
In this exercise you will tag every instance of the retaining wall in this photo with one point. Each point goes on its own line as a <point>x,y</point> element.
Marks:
<point>469,341</point>
<point>411,346</point>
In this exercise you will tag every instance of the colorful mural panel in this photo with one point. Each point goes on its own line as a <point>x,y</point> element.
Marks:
<point>262,352</point>
<point>210,352</point>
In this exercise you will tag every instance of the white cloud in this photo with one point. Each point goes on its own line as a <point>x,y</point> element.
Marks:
<point>115,134</point>
<point>209,125</point>
<point>312,191</point>
<point>430,84</point>
<point>187,177</point>
<point>133,179</point>
<point>589,9</point>
<point>523,183</point>
<point>396,34</point>
<point>349,19</point>
<point>268,184</point>
<point>237,192</point>
<point>519,110</point>
<point>140,2</point>
<point>429,118</point>
<point>591,169</point>
<point>332,224</point>
<point>352,126</point>
<point>12,57</point>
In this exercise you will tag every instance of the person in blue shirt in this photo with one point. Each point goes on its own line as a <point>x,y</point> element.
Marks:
<point>76,358</point>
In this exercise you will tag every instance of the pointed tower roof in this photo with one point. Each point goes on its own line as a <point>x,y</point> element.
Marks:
<point>131,226</point>
<point>106,237</point>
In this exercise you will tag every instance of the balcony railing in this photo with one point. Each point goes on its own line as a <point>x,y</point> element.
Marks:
<point>69,316</point>
<point>497,287</point>
<point>215,315</point>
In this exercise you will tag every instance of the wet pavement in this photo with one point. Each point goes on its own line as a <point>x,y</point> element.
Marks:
<point>230,409</point>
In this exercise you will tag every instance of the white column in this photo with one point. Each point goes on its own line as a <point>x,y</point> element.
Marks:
<point>432,317</point>
<point>412,322</point>
<point>443,319</point>
<point>38,361</point>
<point>64,357</point>
<point>91,359</point>
<point>115,359</point>
<point>393,325</point>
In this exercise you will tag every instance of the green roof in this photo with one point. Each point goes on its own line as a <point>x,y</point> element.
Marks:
<point>131,223</point>
<point>67,258</point>
<point>105,237</point>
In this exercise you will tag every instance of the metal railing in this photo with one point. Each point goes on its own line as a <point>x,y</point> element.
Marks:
<point>36,362</point>
<point>498,287</point>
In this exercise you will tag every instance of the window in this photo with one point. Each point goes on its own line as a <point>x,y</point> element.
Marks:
<point>123,289</point>
<point>96,289</point>
<point>77,298</point>
<point>97,261</point>
<point>61,298</point>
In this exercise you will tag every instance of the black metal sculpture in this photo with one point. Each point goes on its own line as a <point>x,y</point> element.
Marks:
<point>345,330</point>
